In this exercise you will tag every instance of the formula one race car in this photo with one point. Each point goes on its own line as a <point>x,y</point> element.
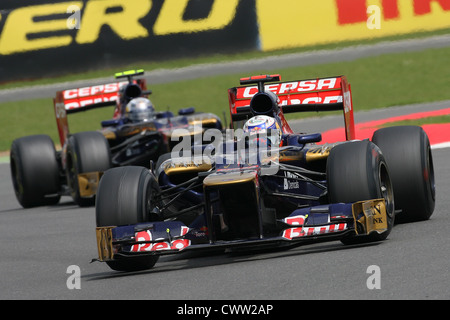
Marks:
<point>136,135</point>
<point>266,185</point>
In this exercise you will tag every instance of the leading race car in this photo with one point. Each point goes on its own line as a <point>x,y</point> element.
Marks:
<point>136,135</point>
<point>266,185</point>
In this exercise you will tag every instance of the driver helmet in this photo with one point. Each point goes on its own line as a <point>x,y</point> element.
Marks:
<point>139,110</point>
<point>263,124</point>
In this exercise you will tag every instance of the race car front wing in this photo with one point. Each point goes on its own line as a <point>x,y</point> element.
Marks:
<point>303,226</point>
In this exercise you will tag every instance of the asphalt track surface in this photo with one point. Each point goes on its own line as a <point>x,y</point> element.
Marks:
<point>39,245</point>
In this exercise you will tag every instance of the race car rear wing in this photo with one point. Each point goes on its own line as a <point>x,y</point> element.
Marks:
<point>87,98</point>
<point>321,94</point>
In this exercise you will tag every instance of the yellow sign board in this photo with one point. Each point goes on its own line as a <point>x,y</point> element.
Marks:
<point>293,23</point>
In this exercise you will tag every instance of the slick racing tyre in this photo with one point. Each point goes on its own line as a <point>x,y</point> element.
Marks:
<point>161,159</point>
<point>357,171</point>
<point>408,155</point>
<point>125,197</point>
<point>86,152</point>
<point>35,171</point>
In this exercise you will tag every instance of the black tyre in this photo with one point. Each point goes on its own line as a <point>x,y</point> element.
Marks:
<point>126,196</point>
<point>161,159</point>
<point>408,154</point>
<point>357,171</point>
<point>35,171</point>
<point>86,152</point>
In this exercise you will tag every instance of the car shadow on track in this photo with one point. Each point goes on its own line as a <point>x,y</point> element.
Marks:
<point>194,260</point>
<point>64,204</point>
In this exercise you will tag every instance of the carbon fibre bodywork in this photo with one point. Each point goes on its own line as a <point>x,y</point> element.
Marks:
<point>242,207</point>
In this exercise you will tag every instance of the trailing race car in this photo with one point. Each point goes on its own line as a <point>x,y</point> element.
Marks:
<point>267,185</point>
<point>136,135</point>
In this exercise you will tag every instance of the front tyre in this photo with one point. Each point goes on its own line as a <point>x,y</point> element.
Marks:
<point>86,152</point>
<point>357,171</point>
<point>126,196</point>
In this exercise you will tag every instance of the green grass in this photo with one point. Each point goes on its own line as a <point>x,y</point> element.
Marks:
<point>30,117</point>
<point>377,82</point>
<point>418,122</point>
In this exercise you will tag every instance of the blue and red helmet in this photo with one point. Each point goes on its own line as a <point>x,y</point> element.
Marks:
<point>263,124</point>
<point>260,124</point>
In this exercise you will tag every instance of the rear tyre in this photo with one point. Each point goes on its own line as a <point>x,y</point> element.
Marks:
<point>126,196</point>
<point>357,171</point>
<point>161,159</point>
<point>86,152</point>
<point>408,154</point>
<point>35,171</point>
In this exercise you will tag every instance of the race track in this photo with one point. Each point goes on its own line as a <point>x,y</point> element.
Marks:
<point>38,245</point>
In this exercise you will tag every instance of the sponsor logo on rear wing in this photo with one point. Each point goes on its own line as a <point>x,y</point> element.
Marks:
<point>80,99</point>
<point>321,94</point>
